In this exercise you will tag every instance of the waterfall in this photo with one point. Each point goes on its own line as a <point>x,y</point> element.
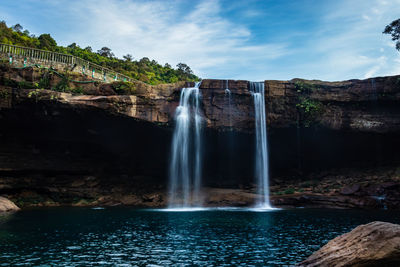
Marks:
<point>227,91</point>
<point>261,157</point>
<point>185,165</point>
<point>228,96</point>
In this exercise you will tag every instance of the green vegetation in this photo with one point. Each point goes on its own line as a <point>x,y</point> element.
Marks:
<point>146,70</point>
<point>4,94</point>
<point>289,191</point>
<point>124,88</point>
<point>394,30</point>
<point>303,87</point>
<point>34,93</point>
<point>50,82</point>
<point>63,85</point>
<point>308,108</point>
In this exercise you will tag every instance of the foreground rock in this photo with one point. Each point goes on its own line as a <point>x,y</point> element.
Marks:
<point>7,205</point>
<point>373,244</point>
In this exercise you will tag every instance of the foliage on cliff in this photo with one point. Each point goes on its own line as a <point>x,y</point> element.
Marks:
<point>309,109</point>
<point>146,70</point>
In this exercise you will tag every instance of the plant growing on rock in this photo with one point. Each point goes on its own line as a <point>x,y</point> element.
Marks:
<point>44,82</point>
<point>124,88</point>
<point>27,85</point>
<point>63,85</point>
<point>34,93</point>
<point>303,87</point>
<point>4,94</point>
<point>309,110</point>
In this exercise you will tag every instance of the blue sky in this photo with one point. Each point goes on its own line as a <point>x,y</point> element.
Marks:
<point>228,39</point>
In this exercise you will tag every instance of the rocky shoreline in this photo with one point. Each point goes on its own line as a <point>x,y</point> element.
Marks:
<point>368,189</point>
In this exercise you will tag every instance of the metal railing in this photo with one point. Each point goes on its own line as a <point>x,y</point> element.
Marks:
<point>60,58</point>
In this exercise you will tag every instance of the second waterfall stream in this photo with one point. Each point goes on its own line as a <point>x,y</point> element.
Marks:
<point>261,157</point>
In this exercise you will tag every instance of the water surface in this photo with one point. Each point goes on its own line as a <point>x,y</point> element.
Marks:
<point>128,237</point>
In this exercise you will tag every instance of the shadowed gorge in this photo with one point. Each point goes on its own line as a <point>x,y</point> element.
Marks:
<point>103,147</point>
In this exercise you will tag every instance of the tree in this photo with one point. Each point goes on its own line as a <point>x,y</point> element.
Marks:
<point>128,57</point>
<point>47,42</point>
<point>17,27</point>
<point>73,46</point>
<point>105,52</point>
<point>185,69</point>
<point>145,69</point>
<point>145,60</point>
<point>394,30</point>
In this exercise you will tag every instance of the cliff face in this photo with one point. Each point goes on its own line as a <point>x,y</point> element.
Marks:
<point>112,142</point>
<point>357,105</point>
<point>369,105</point>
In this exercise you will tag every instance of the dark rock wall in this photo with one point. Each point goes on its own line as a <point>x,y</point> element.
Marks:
<point>47,144</point>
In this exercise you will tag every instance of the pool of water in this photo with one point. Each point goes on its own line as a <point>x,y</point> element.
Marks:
<point>128,237</point>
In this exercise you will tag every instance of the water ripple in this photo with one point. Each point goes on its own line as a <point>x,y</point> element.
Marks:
<point>127,237</point>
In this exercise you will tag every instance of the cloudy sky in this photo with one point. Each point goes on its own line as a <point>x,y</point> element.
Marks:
<point>228,39</point>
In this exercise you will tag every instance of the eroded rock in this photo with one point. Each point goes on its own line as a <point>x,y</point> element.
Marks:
<point>373,244</point>
<point>7,205</point>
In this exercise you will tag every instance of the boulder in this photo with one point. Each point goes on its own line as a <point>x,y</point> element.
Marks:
<point>7,205</point>
<point>350,190</point>
<point>373,244</point>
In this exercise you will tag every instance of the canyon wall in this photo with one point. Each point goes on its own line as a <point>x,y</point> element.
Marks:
<point>110,143</point>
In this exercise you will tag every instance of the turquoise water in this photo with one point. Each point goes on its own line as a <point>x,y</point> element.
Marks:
<point>129,237</point>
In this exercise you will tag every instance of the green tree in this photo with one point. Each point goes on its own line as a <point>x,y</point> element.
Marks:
<point>17,27</point>
<point>394,30</point>
<point>145,70</point>
<point>47,42</point>
<point>105,52</point>
<point>128,57</point>
<point>73,46</point>
<point>185,69</point>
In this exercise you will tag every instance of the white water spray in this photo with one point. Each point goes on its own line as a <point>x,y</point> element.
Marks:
<point>185,166</point>
<point>262,168</point>
<point>228,97</point>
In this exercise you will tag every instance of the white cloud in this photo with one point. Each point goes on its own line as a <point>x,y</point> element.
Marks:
<point>202,38</point>
<point>343,42</point>
<point>350,41</point>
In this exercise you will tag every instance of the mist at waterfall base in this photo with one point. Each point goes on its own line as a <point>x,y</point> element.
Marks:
<point>123,236</point>
<point>185,166</point>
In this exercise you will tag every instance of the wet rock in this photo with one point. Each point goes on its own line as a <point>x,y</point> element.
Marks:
<point>350,190</point>
<point>7,205</point>
<point>373,244</point>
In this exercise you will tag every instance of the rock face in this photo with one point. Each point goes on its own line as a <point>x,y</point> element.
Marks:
<point>356,105</point>
<point>113,140</point>
<point>7,205</point>
<point>373,244</point>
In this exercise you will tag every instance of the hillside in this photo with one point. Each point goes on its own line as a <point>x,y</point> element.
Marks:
<point>146,70</point>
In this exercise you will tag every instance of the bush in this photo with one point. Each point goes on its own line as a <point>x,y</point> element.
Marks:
<point>289,191</point>
<point>124,88</point>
